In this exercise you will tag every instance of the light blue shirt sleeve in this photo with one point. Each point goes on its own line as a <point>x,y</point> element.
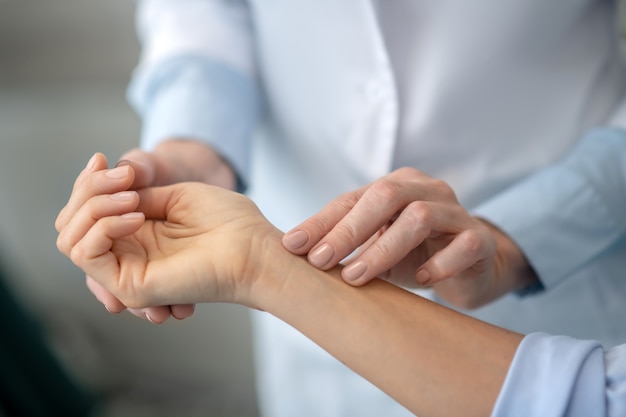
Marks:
<point>565,216</point>
<point>557,376</point>
<point>196,98</point>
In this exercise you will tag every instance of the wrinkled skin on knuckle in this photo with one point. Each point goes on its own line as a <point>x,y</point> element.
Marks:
<point>383,191</point>
<point>346,234</point>
<point>419,214</point>
<point>382,252</point>
<point>480,242</point>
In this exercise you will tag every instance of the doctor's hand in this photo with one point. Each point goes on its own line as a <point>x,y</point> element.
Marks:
<point>178,160</point>
<point>409,229</point>
<point>179,244</point>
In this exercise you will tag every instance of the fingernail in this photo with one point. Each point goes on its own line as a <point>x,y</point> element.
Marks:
<point>150,319</point>
<point>132,216</point>
<point>91,163</point>
<point>122,163</point>
<point>119,172</point>
<point>354,271</point>
<point>295,240</point>
<point>422,277</point>
<point>123,196</point>
<point>322,255</point>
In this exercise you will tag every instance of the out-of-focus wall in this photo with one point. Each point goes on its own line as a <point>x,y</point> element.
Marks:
<point>64,65</point>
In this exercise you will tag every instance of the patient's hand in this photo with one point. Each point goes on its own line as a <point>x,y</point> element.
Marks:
<point>179,244</point>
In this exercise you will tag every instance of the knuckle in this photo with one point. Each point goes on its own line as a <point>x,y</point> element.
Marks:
<point>419,213</point>
<point>63,245</point>
<point>59,223</point>
<point>408,172</point>
<point>444,189</point>
<point>384,190</point>
<point>77,254</point>
<point>346,233</point>
<point>471,242</point>
<point>380,253</point>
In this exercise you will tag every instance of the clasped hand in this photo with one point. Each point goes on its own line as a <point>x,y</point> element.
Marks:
<point>159,246</point>
<point>159,250</point>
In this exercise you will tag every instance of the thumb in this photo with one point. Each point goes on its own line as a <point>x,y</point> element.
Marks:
<point>143,164</point>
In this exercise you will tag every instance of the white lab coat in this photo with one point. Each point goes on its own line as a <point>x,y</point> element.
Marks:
<point>479,93</point>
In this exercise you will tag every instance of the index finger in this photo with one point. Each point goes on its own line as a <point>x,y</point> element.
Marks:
<point>91,182</point>
<point>303,237</point>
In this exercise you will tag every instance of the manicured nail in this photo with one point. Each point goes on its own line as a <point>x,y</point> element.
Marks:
<point>132,216</point>
<point>122,163</point>
<point>119,172</point>
<point>123,196</point>
<point>91,163</point>
<point>295,240</point>
<point>354,271</point>
<point>322,255</point>
<point>422,277</point>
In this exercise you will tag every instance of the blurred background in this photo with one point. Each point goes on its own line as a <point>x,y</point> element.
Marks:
<point>64,67</point>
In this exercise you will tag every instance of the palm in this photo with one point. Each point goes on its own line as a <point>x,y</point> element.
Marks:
<point>174,250</point>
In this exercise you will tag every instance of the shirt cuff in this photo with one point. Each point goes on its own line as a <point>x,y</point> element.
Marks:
<point>549,214</point>
<point>554,376</point>
<point>196,98</point>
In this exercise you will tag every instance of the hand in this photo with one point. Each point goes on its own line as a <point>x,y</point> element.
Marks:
<point>409,229</point>
<point>173,161</point>
<point>184,243</point>
<point>178,160</point>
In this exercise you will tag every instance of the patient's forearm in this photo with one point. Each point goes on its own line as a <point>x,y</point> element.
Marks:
<point>434,361</point>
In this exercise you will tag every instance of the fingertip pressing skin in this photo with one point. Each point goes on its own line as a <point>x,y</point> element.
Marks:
<point>354,273</point>
<point>295,241</point>
<point>321,256</point>
<point>422,277</point>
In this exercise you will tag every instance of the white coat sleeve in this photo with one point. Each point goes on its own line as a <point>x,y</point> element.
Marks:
<point>568,214</point>
<point>557,376</point>
<point>196,76</point>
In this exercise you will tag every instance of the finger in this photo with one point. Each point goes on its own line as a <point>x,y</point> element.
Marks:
<point>155,315</point>
<point>93,252</point>
<point>96,162</point>
<point>95,183</point>
<point>144,166</point>
<point>160,314</point>
<point>95,208</point>
<point>156,202</point>
<point>111,303</point>
<point>471,249</point>
<point>182,311</point>
<point>414,224</point>
<point>301,238</point>
<point>380,203</point>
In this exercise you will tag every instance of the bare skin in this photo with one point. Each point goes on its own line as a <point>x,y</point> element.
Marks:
<point>190,243</point>
<point>410,229</point>
<point>173,161</point>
